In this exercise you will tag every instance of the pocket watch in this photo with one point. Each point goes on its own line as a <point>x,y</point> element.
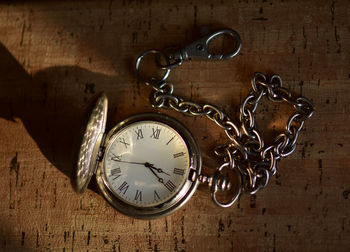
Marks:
<point>149,165</point>
<point>146,166</point>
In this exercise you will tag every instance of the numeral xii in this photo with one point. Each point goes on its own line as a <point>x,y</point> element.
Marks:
<point>155,133</point>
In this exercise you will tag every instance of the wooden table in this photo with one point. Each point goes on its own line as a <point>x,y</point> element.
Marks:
<point>57,56</point>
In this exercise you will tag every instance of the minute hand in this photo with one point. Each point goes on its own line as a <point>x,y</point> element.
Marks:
<point>129,162</point>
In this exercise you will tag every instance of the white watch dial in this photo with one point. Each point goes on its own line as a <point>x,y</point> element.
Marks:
<point>146,163</point>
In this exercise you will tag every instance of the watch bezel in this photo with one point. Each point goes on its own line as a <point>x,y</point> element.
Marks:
<point>175,202</point>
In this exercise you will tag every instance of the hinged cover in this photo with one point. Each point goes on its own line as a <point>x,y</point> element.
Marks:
<point>88,154</point>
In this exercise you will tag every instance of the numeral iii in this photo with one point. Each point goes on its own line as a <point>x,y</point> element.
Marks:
<point>179,171</point>
<point>180,154</point>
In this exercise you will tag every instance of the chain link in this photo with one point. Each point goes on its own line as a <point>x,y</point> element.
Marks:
<point>245,153</point>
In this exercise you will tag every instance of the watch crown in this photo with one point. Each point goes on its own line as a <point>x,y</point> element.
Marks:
<point>216,182</point>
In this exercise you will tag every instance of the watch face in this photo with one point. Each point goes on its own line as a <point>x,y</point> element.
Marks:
<point>146,163</point>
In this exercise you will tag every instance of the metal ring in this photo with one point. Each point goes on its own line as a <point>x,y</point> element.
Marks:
<point>233,127</point>
<point>272,167</point>
<point>248,119</point>
<point>295,118</point>
<point>301,102</point>
<point>220,150</point>
<point>259,138</point>
<point>208,108</point>
<point>267,177</point>
<point>138,62</point>
<point>170,55</point>
<point>253,81</point>
<point>236,195</point>
<point>290,151</point>
<point>281,145</point>
<point>245,102</point>
<point>267,149</point>
<point>279,81</point>
<point>294,134</point>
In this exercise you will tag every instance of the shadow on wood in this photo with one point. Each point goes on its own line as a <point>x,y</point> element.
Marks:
<point>54,105</point>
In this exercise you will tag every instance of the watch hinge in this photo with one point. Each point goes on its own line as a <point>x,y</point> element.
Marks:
<point>100,154</point>
<point>99,157</point>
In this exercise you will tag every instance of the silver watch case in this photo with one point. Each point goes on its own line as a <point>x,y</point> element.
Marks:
<point>91,160</point>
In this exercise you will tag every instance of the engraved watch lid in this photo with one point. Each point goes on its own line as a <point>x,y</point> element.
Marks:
<point>88,154</point>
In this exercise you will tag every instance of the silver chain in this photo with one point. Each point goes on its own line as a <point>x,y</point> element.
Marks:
<point>245,152</point>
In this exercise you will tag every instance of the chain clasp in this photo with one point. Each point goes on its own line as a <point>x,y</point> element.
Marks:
<point>201,49</point>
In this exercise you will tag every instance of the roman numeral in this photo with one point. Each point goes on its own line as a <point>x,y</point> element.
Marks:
<point>155,133</point>
<point>156,196</point>
<point>123,187</point>
<point>139,134</point>
<point>179,171</point>
<point>116,173</point>
<point>179,154</point>
<point>170,185</point>
<point>116,158</point>
<point>138,195</point>
<point>122,140</point>
<point>170,140</point>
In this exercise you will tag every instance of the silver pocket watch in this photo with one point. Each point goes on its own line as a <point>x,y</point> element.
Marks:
<point>146,166</point>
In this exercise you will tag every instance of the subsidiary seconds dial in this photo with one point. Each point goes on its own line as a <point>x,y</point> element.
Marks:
<point>146,163</point>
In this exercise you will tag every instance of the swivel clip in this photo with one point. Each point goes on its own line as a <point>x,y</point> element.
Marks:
<point>201,49</point>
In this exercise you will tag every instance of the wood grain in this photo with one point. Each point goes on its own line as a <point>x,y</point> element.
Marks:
<point>57,56</point>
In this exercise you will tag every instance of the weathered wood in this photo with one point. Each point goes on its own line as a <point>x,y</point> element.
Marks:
<point>57,56</point>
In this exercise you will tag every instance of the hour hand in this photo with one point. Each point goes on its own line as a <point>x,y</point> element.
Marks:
<point>149,166</point>
<point>159,170</point>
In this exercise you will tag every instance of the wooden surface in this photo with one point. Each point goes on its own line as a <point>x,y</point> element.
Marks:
<point>56,56</point>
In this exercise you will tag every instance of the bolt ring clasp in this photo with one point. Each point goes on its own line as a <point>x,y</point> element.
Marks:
<point>216,180</point>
